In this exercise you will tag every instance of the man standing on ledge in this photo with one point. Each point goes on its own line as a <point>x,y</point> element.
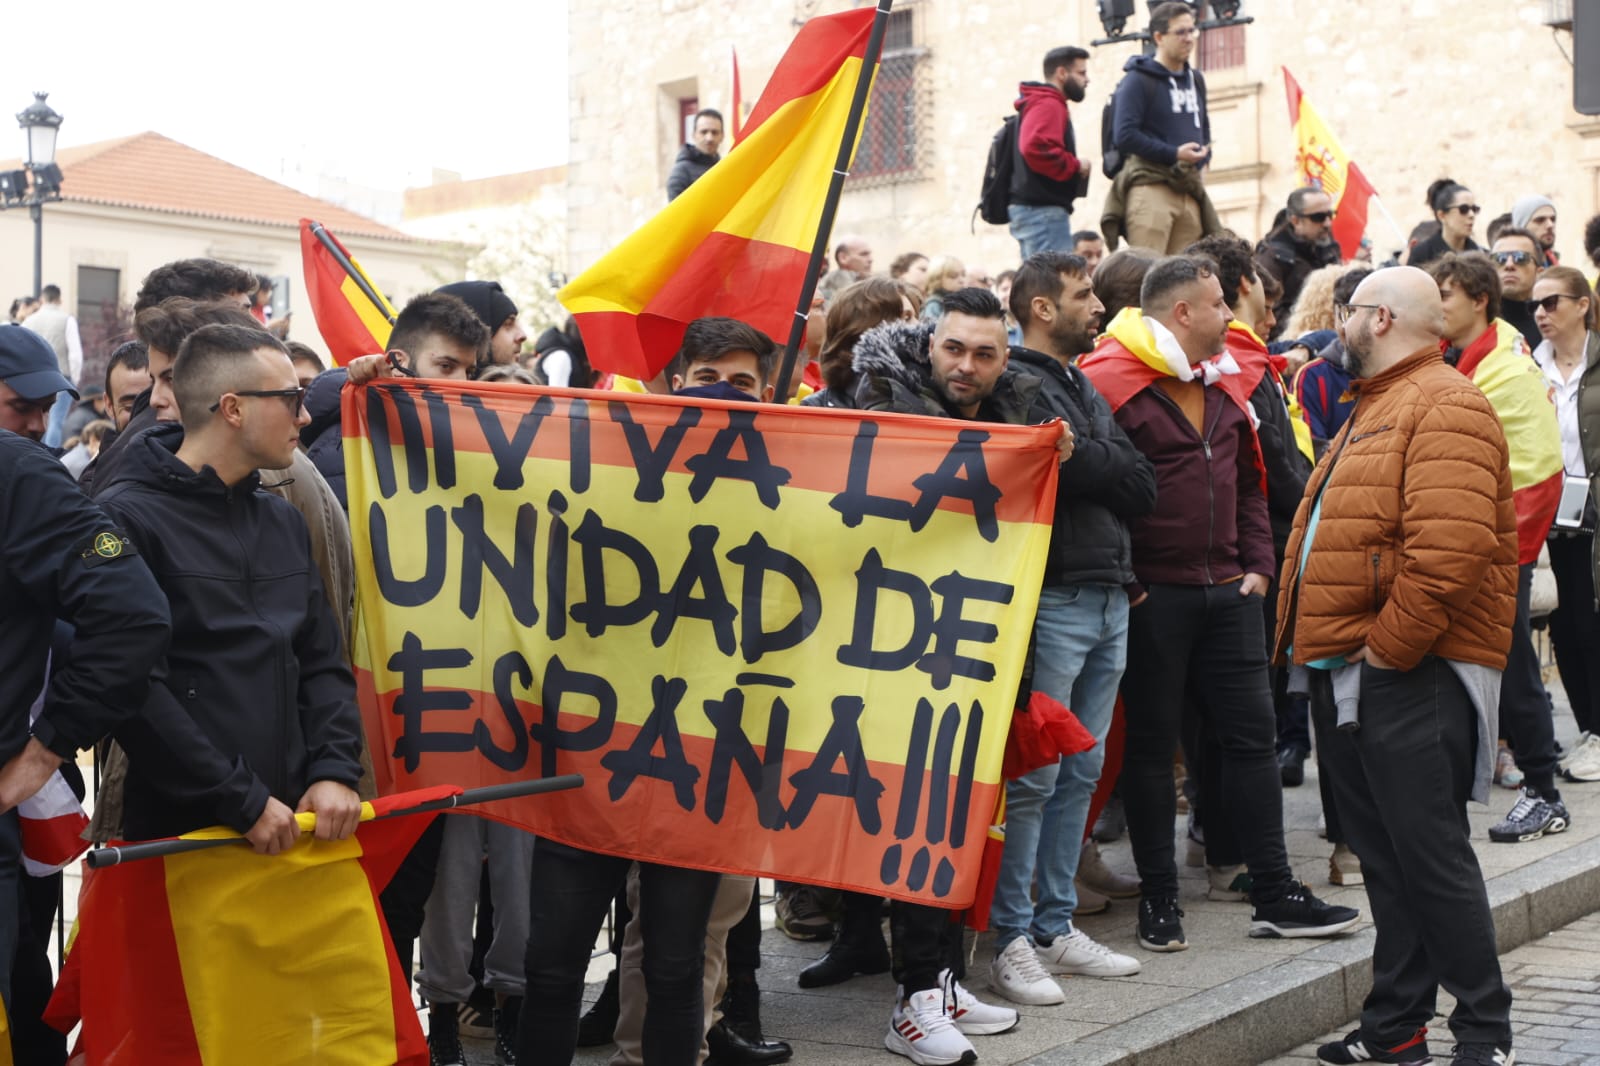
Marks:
<point>1399,591</point>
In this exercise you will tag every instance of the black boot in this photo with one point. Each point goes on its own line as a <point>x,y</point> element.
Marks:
<point>595,1027</point>
<point>728,1047</point>
<point>506,1017</point>
<point>859,948</point>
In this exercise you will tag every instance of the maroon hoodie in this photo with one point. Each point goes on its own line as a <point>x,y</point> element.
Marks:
<point>1047,147</point>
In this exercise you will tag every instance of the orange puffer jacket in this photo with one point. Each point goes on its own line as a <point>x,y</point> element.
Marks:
<point>1415,551</point>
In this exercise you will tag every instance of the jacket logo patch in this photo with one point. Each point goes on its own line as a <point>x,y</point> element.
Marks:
<point>105,547</point>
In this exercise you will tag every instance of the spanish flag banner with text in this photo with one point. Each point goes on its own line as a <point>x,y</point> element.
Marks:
<point>228,958</point>
<point>1320,160</point>
<point>737,241</point>
<point>773,640</point>
<point>350,322</point>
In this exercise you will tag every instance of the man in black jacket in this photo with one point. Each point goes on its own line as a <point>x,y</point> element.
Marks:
<point>1302,244</point>
<point>255,693</point>
<point>696,158</point>
<point>1080,635</point>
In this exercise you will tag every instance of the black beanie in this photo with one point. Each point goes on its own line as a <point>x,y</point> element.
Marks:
<point>487,300</point>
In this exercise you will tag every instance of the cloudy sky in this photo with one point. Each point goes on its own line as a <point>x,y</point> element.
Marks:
<point>374,94</point>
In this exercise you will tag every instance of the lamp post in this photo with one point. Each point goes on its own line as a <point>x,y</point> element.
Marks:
<point>39,182</point>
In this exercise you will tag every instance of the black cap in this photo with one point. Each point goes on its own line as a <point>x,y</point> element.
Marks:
<point>28,364</point>
<point>486,298</point>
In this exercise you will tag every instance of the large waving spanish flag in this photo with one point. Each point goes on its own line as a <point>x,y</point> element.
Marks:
<point>353,315</point>
<point>229,958</point>
<point>737,242</point>
<point>1320,160</point>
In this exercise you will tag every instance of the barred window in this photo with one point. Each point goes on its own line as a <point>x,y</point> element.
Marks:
<point>1221,48</point>
<point>890,145</point>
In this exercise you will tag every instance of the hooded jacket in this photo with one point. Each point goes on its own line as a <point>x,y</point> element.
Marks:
<point>893,373</point>
<point>1157,110</point>
<point>1049,173</point>
<point>687,169</point>
<point>1210,524</point>
<point>254,698</point>
<point>1105,484</point>
<point>322,437</point>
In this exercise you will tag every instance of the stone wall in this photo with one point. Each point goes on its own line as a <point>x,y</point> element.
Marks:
<point>1477,91</point>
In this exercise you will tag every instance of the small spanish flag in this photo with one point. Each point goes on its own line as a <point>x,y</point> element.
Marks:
<point>353,315</point>
<point>738,241</point>
<point>228,958</point>
<point>1320,160</point>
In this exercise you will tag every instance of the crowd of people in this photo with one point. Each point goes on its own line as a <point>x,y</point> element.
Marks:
<point>1303,508</point>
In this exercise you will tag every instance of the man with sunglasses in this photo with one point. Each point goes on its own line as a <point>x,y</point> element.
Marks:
<point>1303,243</point>
<point>252,716</point>
<point>1518,256</point>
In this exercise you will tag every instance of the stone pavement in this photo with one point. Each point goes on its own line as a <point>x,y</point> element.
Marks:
<point>1230,1000</point>
<point>1555,1010</point>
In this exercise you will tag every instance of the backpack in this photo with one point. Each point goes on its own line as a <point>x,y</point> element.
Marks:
<point>1111,158</point>
<point>995,195</point>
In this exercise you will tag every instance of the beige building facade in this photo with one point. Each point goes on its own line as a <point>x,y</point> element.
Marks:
<point>1480,92</point>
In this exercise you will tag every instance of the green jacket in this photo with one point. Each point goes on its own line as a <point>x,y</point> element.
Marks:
<point>1181,177</point>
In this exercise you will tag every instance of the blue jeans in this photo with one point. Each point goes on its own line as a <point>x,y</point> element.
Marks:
<point>1041,229</point>
<point>1081,638</point>
<point>58,419</point>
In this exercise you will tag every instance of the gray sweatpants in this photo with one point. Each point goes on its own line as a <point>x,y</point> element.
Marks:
<point>447,929</point>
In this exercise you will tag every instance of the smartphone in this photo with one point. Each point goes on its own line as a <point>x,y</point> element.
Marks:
<point>1574,498</point>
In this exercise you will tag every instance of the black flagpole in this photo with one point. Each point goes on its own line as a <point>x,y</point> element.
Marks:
<point>830,206</point>
<point>332,247</point>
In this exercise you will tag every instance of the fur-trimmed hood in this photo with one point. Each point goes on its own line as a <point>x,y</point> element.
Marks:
<point>893,373</point>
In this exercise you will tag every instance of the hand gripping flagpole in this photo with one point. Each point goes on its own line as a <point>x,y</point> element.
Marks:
<point>153,849</point>
<point>331,246</point>
<point>830,206</point>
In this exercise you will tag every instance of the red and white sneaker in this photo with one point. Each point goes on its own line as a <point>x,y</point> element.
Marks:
<point>972,1015</point>
<point>920,1030</point>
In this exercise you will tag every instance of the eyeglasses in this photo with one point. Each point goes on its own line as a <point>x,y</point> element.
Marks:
<point>1549,303</point>
<point>1465,209</point>
<point>1342,313</point>
<point>1319,217</point>
<point>1519,258</point>
<point>1192,31</point>
<point>293,399</point>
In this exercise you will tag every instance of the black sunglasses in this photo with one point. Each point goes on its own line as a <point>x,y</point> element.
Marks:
<point>297,395</point>
<point>1519,258</point>
<point>1465,209</point>
<point>1549,303</point>
<point>1319,217</point>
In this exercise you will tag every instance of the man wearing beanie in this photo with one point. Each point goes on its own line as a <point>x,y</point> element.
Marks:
<point>495,309</point>
<point>1537,215</point>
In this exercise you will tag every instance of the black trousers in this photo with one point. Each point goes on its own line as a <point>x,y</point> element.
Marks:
<point>1575,626</point>
<point>1524,704</point>
<point>1402,781</point>
<point>568,895</point>
<point>32,981</point>
<point>404,900</point>
<point>924,940</point>
<point>744,940</point>
<point>1205,644</point>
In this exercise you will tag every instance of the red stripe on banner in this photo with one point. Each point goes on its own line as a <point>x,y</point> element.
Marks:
<point>830,846</point>
<point>55,841</point>
<point>1536,512</point>
<point>817,453</point>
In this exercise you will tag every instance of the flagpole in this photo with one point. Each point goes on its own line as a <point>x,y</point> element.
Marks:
<point>154,849</point>
<point>1398,232</point>
<point>830,206</point>
<point>326,240</point>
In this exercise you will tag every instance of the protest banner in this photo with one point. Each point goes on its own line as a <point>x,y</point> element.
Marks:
<point>773,640</point>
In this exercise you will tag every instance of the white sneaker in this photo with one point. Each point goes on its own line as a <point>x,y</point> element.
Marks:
<point>1584,762</point>
<point>972,1015</point>
<point>920,1030</point>
<point>1018,975</point>
<point>1572,753</point>
<point>1077,953</point>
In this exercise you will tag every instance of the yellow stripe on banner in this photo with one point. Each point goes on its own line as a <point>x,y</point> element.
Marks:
<point>282,956</point>
<point>770,188</point>
<point>370,316</point>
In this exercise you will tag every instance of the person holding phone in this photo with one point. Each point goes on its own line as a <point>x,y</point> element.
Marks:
<point>1569,356</point>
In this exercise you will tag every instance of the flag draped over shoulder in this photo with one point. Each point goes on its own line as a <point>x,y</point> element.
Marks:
<point>736,243</point>
<point>1321,161</point>
<point>228,958</point>
<point>350,323</point>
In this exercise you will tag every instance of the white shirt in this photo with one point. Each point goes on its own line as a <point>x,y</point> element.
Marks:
<point>1565,395</point>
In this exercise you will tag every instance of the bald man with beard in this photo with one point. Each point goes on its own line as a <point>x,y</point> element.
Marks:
<point>1399,591</point>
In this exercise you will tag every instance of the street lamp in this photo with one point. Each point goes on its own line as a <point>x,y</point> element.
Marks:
<point>40,123</point>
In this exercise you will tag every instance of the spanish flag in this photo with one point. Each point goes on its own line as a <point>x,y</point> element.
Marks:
<point>738,241</point>
<point>353,316</point>
<point>1320,160</point>
<point>228,958</point>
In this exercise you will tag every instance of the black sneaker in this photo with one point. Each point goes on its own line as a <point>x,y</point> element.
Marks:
<point>505,1031</point>
<point>1159,925</point>
<point>1299,913</point>
<point>1292,766</point>
<point>1482,1055</point>
<point>444,1036</point>
<point>1531,818</point>
<point>1355,1048</point>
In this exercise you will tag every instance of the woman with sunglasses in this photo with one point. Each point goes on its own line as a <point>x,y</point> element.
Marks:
<point>1457,211</point>
<point>1569,356</point>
